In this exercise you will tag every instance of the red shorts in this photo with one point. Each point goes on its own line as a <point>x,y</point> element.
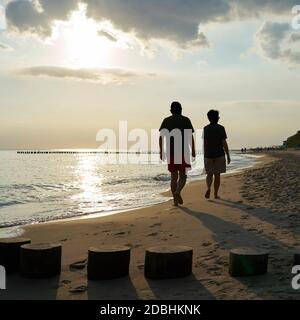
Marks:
<point>173,167</point>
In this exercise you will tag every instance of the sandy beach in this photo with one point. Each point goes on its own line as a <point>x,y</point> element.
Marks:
<point>259,207</point>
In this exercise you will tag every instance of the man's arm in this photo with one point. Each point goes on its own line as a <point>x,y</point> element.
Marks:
<point>226,149</point>
<point>161,147</point>
<point>204,145</point>
<point>193,147</point>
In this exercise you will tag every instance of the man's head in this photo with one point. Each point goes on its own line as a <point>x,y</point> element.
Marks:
<point>213,116</point>
<point>176,108</point>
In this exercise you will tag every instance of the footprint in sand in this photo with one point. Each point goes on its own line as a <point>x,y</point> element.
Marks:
<point>244,217</point>
<point>206,244</point>
<point>156,225</point>
<point>152,234</point>
<point>78,290</point>
<point>78,265</point>
<point>120,233</point>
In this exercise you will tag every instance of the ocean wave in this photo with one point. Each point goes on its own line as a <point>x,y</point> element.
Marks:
<point>10,203</point>
<point>48,218</point>
<point>140,179</point>
<point>162,177</point>
<point>38,186</point>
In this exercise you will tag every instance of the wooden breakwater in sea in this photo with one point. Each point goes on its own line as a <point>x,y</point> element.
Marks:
<point>82,152</point>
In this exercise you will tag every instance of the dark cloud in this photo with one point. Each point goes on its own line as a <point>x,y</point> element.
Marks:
<point>250,8</point>
<point>37,16</point>
<point>24,17</point>
<point>5,47</point>
<point>272,38</point>
<point>109,36</point>
<point>103,75</point>
<point>58,9</point>
<point>200,42</point>
<point>295,37</point>
<point>173,20</point>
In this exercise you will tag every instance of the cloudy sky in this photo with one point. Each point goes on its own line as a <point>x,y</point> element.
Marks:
<point>69,68</point>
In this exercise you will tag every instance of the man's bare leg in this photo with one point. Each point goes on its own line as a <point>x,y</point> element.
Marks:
<point>217,184</point>
<point>209,181</point>
<point>174,179</point>
<point>180,185</point>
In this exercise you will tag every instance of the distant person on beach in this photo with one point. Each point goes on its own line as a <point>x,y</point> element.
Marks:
<point>177,131</point>
<point>215,148</point>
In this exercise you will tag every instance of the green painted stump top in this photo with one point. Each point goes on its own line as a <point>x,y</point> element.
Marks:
<point>246,251</point>
<point>169,249</point>
<point>41,246</point>
<point>17,240</point>
<point>109,248</point>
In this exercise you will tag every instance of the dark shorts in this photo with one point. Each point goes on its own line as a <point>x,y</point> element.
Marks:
<point>174,167</point>
<point>215,165</point>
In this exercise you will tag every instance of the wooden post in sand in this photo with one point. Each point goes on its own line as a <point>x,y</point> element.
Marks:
<point>167,262</point>
<point>10,253</point>
<point>248,262</point>
<point>40,260</point>
<point>108,262</point>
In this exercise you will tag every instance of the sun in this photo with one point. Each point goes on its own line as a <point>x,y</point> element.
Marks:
<point>83,46</point>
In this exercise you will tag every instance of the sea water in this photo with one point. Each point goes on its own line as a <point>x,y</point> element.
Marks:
<point>37,188</point>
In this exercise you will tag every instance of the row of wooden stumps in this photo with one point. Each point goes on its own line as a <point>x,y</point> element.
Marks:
<point>104,262</point>
<point>32,260</point>
<point>109,262</point>
<point>160,262</point>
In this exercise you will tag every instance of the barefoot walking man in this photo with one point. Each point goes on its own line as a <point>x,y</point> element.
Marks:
<point>215,148</point>
<point>178,132</point>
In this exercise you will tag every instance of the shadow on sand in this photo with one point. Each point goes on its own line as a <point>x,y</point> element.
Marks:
<point>116,289</point>
<point>281,220</point>
<point>229,235</point>
<point>18,288</point>
<point>187,288</point>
